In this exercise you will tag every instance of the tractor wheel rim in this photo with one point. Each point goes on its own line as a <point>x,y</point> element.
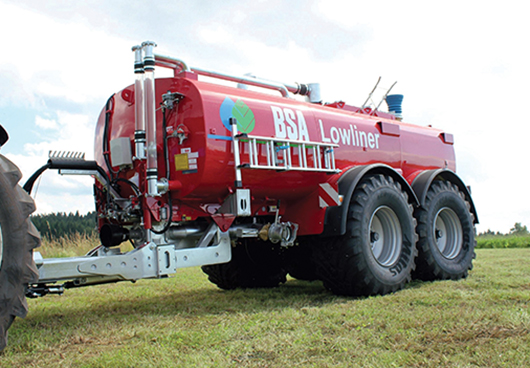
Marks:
<point>385,236</point>
<point>448,233</point>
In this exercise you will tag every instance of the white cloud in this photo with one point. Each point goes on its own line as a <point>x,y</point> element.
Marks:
<point>13,92</point>
<point>45,123</point>
<point>71,132</point>
<point>65,60</point>
<point>74,132</point>
<point>47,202</point>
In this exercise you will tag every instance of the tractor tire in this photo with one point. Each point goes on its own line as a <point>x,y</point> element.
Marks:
<point>376,254</point>
<point>446,246</point>
<point>18,239</point>
<point>298,260</point>
<point>254,264</point>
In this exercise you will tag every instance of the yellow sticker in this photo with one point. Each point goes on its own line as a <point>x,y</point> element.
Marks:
<point>181,162</point>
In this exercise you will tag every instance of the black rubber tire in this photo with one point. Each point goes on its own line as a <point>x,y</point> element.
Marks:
<point>254,264</point>
<point>19,238</point>
<point>298,260</point>
<point>445,253</point>
<point>360,263</point>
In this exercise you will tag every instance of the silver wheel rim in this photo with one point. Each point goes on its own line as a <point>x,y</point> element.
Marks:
<point>385,236</point>
<point>448,233</point>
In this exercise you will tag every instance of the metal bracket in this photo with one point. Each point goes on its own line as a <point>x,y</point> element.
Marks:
<point>167,260</point>
<point>138,263</point>
<point>148,261</point>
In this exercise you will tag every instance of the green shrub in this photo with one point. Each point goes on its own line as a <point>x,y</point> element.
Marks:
<point>502,241</point>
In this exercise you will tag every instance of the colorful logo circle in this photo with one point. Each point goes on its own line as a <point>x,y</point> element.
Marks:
<point>240,111</point>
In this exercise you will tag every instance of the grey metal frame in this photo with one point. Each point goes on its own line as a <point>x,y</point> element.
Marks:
<point>151,260</point>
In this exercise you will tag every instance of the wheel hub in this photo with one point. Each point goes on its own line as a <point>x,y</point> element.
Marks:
<point>448,233</point>
<point>385,236</point>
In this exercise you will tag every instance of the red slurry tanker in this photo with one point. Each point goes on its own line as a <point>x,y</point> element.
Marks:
<point>252,186</point>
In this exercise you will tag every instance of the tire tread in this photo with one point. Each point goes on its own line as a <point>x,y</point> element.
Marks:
<point>341,261</point>
<point>428,267</point>
<point>19,237</point>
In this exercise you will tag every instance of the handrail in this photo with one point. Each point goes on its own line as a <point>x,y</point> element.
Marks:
<point>179,66</point>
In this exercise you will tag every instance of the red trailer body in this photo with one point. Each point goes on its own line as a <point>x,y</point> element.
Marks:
<point>203,163</point>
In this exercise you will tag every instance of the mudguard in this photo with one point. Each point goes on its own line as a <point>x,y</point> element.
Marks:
<point>335,220</point>
<point>423,181</point>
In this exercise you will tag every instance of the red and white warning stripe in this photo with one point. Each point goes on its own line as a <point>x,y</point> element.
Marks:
<point>328,195</point>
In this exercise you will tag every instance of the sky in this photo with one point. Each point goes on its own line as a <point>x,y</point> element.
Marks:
<point>461,65</point>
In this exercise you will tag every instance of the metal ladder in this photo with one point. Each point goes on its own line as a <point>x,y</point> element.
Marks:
<point>312,156</point>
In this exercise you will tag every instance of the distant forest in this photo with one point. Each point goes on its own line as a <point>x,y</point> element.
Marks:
<point>56,225</point>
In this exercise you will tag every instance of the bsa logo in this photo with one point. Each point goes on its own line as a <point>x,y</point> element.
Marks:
<point>240,111</point>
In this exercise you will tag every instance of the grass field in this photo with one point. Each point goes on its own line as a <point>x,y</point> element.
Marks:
<point>185,321</point>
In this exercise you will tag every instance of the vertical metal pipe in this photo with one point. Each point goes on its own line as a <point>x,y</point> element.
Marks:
<point>288,163</point>
<point>251,152</point>
<point>256,152</point>
<point>273,154</point>
<point>150,117</point>
<point>139,113</point>
<point>235,147</point>
<point>269,154</point>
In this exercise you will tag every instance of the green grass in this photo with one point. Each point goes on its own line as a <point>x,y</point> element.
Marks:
<point>72,246</point>
<point>184,321</point>
<point>502,241</point>
<point>67,246</point>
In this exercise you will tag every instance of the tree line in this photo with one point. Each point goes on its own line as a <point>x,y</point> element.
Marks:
<point>517,230</point>
<point>60,224</point>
